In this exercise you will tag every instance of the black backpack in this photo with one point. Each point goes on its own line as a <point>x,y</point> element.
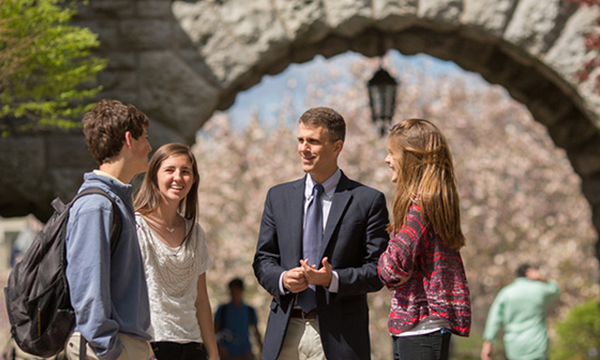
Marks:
<point>37,295</point>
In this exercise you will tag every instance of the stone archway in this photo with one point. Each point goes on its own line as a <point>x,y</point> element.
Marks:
<point>179,61</point>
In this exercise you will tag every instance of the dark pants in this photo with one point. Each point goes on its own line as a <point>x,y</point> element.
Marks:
<point>166,350</point>
<point>434,346</point>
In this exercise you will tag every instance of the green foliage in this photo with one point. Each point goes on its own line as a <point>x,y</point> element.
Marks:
<point>578,336</point>
<point>45,65</point>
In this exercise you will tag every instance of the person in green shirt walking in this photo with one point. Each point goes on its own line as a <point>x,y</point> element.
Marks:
<point>521,308</point>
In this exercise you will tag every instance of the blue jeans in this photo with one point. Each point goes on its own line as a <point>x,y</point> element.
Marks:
<point>434,346</point>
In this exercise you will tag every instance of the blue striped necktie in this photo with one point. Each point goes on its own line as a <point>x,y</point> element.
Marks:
<point>312,239</point>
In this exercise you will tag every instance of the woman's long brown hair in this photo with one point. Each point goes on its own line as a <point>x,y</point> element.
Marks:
<point>148,198</point>
<point>423,162</point>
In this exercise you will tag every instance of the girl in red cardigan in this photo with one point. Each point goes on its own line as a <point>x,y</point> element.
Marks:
<point>422,264</point>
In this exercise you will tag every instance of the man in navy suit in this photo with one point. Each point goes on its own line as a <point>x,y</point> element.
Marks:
<point>353,218</point>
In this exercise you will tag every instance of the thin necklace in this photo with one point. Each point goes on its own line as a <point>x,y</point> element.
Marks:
<point>170,230</point>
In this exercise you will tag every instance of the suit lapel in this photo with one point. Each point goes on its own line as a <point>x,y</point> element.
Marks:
<point>296,198</point>
<point>340,200</point>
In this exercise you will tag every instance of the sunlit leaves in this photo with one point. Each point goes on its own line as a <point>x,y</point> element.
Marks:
<point>46,65</point>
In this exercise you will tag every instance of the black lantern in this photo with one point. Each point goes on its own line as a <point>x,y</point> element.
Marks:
<point>382,97</point>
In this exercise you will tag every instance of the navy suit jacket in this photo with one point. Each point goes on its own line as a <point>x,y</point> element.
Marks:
<point>355,235</point>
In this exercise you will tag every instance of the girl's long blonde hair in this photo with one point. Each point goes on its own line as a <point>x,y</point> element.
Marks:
<point>423,162</point>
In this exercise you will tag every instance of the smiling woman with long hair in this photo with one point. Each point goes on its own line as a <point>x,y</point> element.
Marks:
<point>175,254</point>
<point>422,264</point>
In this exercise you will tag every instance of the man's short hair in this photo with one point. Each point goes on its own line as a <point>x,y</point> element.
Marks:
<point>331,119</point>
<point>105,126</point>
<point>236,283</point>
<point>522,269</point>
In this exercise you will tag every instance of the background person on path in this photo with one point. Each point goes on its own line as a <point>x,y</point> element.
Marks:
<point>109,293</point>
<point>175,257</point>
<point>521,307</point>
<point>333,269</point>
<point>422,264</point>
<point>233,322</point>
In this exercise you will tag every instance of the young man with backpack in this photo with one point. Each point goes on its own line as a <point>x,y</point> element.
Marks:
<point>108,288</point>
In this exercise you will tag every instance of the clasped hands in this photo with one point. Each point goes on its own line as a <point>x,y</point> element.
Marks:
<point>298,278</point>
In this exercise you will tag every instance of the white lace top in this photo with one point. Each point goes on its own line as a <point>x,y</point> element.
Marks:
<point>172,275</point>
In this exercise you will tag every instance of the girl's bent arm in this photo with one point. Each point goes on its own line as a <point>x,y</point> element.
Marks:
<point>204,315</point>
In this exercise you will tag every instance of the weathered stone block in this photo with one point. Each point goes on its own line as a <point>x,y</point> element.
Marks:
<point>303,53</point>
<point>535,25</point>
<point>443,13</point>
<point>549,113</point>
<point>348,17</point>
<point>596,222</point>
<point>173,94</point>
<point>409,42</point>
<point>590,186</point>
<point>393,16</point>
<point>66,181</point>
<point>22,167</point>
<point>414,41</point>
<point>253,22</point>
<point>568,53</point>
<point>126,97</point>
<point>154,9</point>
<point>572,132</point>
<point>589,91</point>
<point>228,59</point>
<point>108,34</point>
<point>256,27</point>
<point>370,43</point>
<point>222,53</point>
<point>587,162</point>
<point>199,20</point>
<point>121,61</point>
<point>145,34</point>
<point>471,54</point>
<point>68,151</point>
<point>333,45</point>
<point>160,134</point>
<point>113,8</point>
<point>305,22</point>
<point>118,80</point>
<point>490,16</point>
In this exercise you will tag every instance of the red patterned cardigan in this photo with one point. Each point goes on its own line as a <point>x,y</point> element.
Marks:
<point>438,285</point>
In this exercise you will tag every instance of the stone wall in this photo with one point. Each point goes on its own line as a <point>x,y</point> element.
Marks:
<point>179,61</point>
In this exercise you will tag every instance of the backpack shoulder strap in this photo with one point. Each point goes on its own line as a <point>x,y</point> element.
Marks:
<point>116,214</point>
